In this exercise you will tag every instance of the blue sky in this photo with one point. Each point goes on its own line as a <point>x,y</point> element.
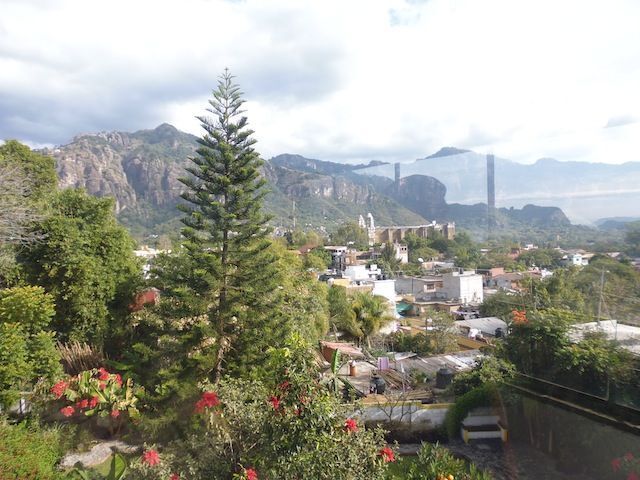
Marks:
<point>346,80</point>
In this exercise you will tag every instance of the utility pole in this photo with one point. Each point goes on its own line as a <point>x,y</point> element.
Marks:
<point>601,292</point>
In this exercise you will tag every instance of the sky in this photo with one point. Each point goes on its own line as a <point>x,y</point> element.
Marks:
<point>340,80</point>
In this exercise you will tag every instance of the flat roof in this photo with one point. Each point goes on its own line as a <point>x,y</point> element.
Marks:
<point>486,325</point>
<point>627,336</point>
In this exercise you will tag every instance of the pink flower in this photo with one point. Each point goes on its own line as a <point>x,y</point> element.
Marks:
<point>633,476</point>
<point>84,403</point>
<point>59,388</point>
<point>103,374</point>
<point>102,385</point>
<point>251,474</point>
<point>350,425</point>
<point>67,411</point>
<point>628,456</point>
<point>275,402</point>
<point>118,380</point>
<point>115,413</point>
<point>387,455</point>
<point>615,464</point>
<point>151,458</point>
<point>174,476</point>
<point>94,402</point>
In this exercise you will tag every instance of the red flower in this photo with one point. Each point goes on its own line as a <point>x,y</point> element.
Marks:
<point>207,400</point>
<point>615,464</point>
<point>633,476</point>
<point>628,456</point>
<point>115,413</point>
<point>84,403</point>
<point>59,388</point>
<point>275,402</point>
<point>350,425</point>
<point>67,411</point>
<point>151,458</point>
<point>103,374</point>
<point>284,385</point>
<point>118,380</point>
<point>102,385</point>
<point>387,455</point>
<point>251,474</point>
<point>94,402</point>
<point>174,476</point>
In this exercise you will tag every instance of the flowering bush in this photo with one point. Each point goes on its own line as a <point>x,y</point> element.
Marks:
<point>100,392</point>
<point>285,427</point>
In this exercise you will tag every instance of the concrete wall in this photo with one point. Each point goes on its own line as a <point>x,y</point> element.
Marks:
<point>414,414</point>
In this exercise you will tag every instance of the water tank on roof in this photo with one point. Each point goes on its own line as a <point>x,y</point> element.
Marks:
<point>444,376</point>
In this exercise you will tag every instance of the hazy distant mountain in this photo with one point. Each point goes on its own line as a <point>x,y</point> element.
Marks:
<point>615,223</point>
<point>584,191</point>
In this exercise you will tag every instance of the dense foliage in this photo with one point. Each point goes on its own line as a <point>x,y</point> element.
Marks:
<point>86,262</point>
<point>27,346</point>
<point>285,425</point>
<point>29,452</point>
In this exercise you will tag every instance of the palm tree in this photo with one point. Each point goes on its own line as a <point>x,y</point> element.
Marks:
<point>370,313</point>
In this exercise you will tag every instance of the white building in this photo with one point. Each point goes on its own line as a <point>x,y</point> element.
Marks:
<point>575,259</point>
<point>464,286</point>
<point>387,289</point>
<point>402,252</point>
<point>359,273</point>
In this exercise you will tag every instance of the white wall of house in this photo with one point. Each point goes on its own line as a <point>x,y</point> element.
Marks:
<point>387,289</point>
<point>465,286</point>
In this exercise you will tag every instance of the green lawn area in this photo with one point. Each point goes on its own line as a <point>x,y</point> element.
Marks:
<point>398,468</point>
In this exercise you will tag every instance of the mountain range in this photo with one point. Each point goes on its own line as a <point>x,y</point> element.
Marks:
<point>584,191</point>
<point>141,171</point>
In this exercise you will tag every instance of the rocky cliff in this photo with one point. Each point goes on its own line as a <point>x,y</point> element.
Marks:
<point>140,171</point>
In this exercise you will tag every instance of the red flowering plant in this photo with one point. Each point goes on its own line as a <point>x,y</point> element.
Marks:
<point>627,466</point>
<point>98,392</point>
<point>519,316</point>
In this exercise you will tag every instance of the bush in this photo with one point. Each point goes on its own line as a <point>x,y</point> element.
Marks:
<point>405,342</point>
<point>490,370</point>
<point>478,397</point>
<point>28,452</point>
<point>437,463</point>
<point>287,427</point>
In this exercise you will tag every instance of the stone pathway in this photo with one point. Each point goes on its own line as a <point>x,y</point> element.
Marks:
<point>98,454</point>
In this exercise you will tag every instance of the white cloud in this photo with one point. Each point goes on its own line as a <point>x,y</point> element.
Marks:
<point>355,80</point>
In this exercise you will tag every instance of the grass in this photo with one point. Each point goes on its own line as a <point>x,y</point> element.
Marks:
<point>398,469</point>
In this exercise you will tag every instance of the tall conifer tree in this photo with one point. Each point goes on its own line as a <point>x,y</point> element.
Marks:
<point>226,233</point>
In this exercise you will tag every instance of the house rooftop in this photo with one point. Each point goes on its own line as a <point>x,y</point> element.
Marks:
<point>487,325</point>
<point>627,336</point>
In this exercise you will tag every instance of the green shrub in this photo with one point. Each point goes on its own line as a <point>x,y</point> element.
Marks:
<point>478,397</point>
<point>28,452</point>
<point>434,462</point>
